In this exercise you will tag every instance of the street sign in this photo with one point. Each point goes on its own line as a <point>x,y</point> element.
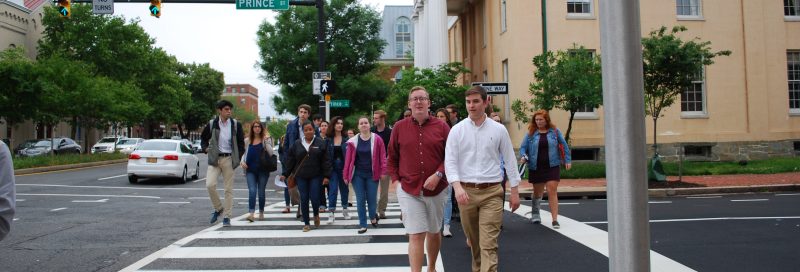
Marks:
<point>493,87</point>
<point>340,103</point>
<point>102,6</point>
<point>327,86</point>
<point>263,4</point>
<point>317,78</point>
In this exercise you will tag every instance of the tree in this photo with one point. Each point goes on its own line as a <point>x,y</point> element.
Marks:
<point>18,95</point>
<point>670,64</point>
<point>288,55</point>
<point>205,84</point>
<point>277,128</point>
<point>440,82</point>
<point>568,80</point>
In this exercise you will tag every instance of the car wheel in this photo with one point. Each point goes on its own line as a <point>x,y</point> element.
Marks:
<point>196,172</point>
<point>133,179</point>
<point>185,176</point>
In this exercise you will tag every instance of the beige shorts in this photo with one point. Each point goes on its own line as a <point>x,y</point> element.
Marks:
<point>421,213</point>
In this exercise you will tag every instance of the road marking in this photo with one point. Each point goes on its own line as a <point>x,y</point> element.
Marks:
<point>122,196</point>
<point>597,239</point>
<point>659,202</point>
<point>600,199</point>
<point>58,209</point>
<point>198,180</point>
<point>747,200</point>
<point>122,187</point>
<point>288,251</point>
<point>708,219</point>
<point>91,201</point>
<point>359,269</point>
<point>701,197</point>
<point>119,176</point>
<point>296,234</point>
<point>20,199</point>
<point>15,219</point>
<point>294,222</point>
<point>71,169</point>
<point>787,194</point>
<point>545,203</point>
<point>174,202</point>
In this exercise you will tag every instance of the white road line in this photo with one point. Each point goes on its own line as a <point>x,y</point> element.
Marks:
<point>15,219</point>
<point>597,239</point>
<point>232,234</point>
<point>91,201</point>
<point>748,200</point>
<point>123,187</point>
<point>57,209</point>
<point>787,194</point>
<point>288,251</point>
<point>293,222</point>
<point>359,269</point>
<point>659,202</point>
<point>600,199</point>
<point>119,176</point>
<point>198,180</point>
<point>702,197</point>
<point>338,214</point>
<point>242,203</point>
<point>709,219</point>
<point>174,202</point>
<point>121,196</point>
<point>20,199</point>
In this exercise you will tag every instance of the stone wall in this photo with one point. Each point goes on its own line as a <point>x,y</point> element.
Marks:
<point>727,151</point>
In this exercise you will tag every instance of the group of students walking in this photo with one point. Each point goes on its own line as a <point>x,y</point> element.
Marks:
<point>429,158</point>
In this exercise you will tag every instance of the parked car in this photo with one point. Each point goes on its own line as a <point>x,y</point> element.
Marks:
<point>197,147</point>
<point>188,143</point>
<point>105,145</point>
<point>56,146</point>
<point>163,158</point>
<point>25,145</point>
<point>127,145</point>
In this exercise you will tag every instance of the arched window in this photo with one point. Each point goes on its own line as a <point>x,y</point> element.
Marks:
<point>398,76</point>
<point>402,35</point>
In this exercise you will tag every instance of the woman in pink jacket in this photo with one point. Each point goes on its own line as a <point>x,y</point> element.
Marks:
<point>364,163</point>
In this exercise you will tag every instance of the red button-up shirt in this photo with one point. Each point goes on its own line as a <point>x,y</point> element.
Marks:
<point>416,151</point>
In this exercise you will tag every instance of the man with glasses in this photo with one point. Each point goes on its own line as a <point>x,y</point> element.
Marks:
<point>223,140</point>
<point>419,170</point>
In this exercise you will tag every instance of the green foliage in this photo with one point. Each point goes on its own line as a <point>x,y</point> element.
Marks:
<point>17,78</point>
<point>288,55</point>
<point>566,80</point>
<point>41,161</point>
<point>204,84</point>
<point>277,128</point>
<point>670,64</point>
<point>440,83</point>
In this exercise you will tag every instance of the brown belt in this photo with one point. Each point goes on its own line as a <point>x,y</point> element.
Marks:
<point>479,185</point>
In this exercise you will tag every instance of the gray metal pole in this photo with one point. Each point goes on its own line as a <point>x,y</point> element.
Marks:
<point>626,157</point>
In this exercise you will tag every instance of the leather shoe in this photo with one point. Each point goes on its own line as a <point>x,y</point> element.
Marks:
<point>215,216</point>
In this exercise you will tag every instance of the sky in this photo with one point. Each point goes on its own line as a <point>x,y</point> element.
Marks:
<point>217,34</point>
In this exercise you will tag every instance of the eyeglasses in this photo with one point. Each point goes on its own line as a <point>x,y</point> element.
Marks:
<point>418,99</point>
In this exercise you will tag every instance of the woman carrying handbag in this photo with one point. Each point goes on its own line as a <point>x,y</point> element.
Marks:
<point>257,176</point>
<point>310,167</point>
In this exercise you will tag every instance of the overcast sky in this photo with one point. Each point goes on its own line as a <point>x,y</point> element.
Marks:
<point>217,34</point>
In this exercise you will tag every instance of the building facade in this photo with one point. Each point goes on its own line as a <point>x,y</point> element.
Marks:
<point>246,96</point>
<point>745,106</point>
<point>398,32</point>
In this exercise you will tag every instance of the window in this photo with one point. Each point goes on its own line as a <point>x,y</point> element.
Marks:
<point>484,24</point>
<point>505,70</point>
<point>503,16</point>
<point>398,76</point>
<point>584,154</point>
<point>693,98</point>
<point>793,70</point>
<point>402,38</point>
<point>791,8</point>
<point>697,150</point>
<point>688,8</point>
<point>485,76</point>
<point>585,112</point>
<point>579,7</point>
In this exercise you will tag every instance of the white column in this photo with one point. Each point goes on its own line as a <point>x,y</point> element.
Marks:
<point>417,41</point>
<point>436,13</point>
<point>424,39</point>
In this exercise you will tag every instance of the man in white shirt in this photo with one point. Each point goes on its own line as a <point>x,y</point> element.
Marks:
<point>472,164</point>
<point>223,141</point>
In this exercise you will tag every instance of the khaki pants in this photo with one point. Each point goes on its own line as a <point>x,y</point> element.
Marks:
<point>383,199</point>
<point>481,219</point>
<point>226,168</point>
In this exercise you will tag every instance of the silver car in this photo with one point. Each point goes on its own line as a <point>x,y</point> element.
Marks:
<point>128,145</point>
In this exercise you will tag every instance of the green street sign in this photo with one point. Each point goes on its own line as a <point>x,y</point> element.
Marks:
<point>340,103</point>
<point>262,4</point>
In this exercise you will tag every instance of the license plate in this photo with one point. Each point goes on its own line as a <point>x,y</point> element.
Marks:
<point>152,160</point>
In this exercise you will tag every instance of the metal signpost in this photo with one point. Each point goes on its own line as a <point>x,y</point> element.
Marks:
<point>340,103</point>
<point>626,153</point>
<point>102,6</point>
<point>263,4</point>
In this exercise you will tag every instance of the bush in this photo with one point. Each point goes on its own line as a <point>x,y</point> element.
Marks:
<point>46,160</point>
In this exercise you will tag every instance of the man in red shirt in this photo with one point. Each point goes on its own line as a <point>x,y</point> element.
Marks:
<point>419,170</point>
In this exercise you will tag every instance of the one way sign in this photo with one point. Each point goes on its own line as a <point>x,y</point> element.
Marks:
<point>493,87</point>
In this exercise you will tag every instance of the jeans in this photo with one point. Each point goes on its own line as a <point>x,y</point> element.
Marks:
<point>286,197</point>
<point>336,183</point>
<point>256,182</point>
<point>448,205</point>
<point>309,188</point>
<point>366,195</point>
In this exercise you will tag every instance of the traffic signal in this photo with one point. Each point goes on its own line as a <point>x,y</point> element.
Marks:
<point>155,8</point>
<point>64,8</point>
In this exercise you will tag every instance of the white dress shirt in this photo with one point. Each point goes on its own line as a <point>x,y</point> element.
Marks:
<point>473,153</point>
<point>308,144</point>
<point>224,141</point>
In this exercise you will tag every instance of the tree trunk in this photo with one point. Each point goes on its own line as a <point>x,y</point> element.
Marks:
<point>655,143</point>
<point>569,127</point>
<point>180,130</point>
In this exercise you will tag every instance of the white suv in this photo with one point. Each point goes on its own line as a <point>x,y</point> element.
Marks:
<point>105,145</point>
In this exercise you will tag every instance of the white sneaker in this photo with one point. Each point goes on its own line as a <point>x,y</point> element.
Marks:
<point>535,218</point>
<point>331,218</point>
<point>446,231</point>
<point>346,214</point>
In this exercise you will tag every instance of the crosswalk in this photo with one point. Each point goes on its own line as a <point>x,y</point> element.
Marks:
<point>278,244</point>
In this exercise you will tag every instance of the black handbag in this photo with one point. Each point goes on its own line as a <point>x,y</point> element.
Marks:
<point>269,162</point>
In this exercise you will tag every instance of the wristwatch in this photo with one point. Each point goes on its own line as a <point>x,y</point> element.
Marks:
<point>439,174</point>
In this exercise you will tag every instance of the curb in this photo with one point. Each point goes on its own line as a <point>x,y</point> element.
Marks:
<point>586,192</point>
<point>37,170</point>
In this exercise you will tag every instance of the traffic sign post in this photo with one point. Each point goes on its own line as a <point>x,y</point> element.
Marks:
<point>340,103</point>
<point>493,88</point>
<point>102,6</point>
<point>263,4</point>
<point>317,78</point>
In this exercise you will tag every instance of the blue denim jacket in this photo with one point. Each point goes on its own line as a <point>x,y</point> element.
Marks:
<point>337,165</point>
<point>530,148</point>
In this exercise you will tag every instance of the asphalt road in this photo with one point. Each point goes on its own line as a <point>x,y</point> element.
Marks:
<point>93,220</point>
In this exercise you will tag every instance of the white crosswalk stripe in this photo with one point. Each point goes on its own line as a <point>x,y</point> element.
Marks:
<point>277,243</point>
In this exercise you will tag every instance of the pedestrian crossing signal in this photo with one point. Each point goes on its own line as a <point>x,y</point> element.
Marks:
<point>155,8</point>
<point>64,8</point>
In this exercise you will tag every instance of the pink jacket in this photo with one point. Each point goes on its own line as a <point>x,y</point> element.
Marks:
<point>378,158</point>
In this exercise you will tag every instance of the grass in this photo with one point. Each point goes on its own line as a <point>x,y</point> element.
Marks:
<point>768,166</point>
<point>40,161</point>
